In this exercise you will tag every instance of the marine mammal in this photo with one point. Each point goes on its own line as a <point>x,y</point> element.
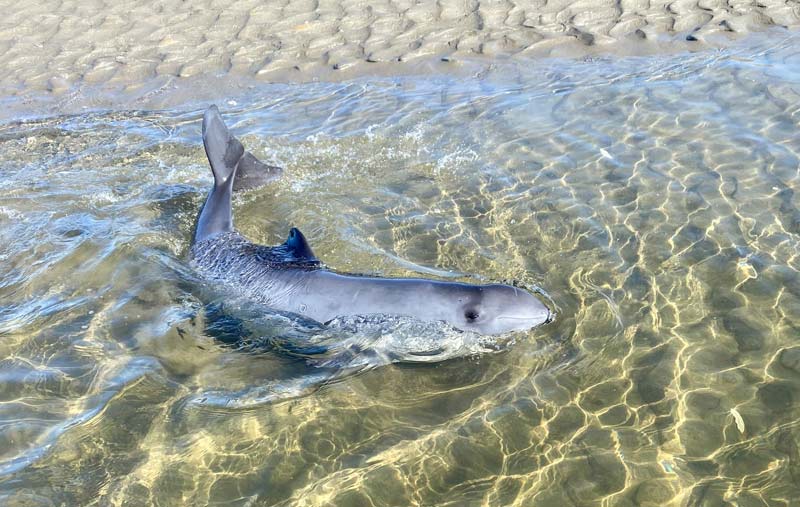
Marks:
<point>290,278</point>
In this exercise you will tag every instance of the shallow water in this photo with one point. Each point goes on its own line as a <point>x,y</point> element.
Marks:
<point>653,199</point>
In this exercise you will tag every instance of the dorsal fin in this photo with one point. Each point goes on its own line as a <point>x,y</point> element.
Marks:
<point>296,243</point>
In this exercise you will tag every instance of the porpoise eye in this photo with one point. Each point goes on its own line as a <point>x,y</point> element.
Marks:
<point>471,315</point>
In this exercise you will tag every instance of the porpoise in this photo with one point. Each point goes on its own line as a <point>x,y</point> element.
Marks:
<point>289,278</point>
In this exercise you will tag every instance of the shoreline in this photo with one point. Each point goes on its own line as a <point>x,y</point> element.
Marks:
<point>65,57</point>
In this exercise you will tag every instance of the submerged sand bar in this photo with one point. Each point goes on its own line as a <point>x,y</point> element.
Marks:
<point>54,46</point>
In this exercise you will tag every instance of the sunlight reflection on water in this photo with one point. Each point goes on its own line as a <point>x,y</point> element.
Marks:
<point>652,198</point>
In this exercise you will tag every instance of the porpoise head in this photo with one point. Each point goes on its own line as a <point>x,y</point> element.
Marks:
<point>495,309</point>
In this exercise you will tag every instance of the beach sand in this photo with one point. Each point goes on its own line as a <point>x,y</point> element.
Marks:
<point>61,55</point>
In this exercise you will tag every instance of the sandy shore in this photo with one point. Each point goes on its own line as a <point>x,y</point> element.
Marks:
<point>54,46</point>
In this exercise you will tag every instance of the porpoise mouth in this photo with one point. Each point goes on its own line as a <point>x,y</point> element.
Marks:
<point>550,317</point>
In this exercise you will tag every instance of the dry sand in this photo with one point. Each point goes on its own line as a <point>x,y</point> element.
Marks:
<point>60,46</point>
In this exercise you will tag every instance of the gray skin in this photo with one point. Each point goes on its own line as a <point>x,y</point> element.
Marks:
<point>289,278</point>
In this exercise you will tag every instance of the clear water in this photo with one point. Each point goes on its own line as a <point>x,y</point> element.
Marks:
<point>654,199</point>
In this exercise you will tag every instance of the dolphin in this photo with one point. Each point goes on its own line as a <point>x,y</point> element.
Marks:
<point>289,278</point>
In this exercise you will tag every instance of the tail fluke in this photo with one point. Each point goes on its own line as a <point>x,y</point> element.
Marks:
<point>253,173</point>
<point>233,168</point>
<point>228,158</point>
<point>222,149</point>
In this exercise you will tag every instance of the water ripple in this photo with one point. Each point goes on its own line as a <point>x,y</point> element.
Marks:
<point>655,199</point>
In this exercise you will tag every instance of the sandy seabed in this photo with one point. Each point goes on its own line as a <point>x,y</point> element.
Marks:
<point>654,198</point>
<point>58,54</point>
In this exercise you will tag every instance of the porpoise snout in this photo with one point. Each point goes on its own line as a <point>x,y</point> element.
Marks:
<point>537,314</point>
<point>522,311</point>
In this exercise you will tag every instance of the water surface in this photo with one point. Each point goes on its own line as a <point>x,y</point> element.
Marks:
<point>653,199</point>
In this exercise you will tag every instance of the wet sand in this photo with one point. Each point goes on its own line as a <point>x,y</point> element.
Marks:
<point>72,51</point>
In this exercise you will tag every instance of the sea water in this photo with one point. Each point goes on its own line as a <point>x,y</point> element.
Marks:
<point>652,199</point>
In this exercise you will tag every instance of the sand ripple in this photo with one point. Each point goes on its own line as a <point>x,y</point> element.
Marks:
<point>57,44</point>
